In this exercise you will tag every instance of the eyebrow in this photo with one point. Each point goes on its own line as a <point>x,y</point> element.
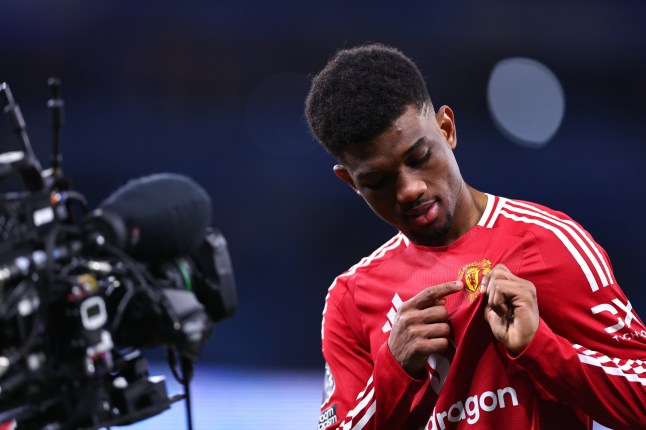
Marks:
<point>415,145</point>
<point>409,150</point>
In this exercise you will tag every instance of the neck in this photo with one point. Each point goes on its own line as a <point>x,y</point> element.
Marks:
<point>477,205</point>
<point>469,208</point>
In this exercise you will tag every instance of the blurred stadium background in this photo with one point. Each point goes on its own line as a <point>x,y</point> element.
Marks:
<point>215,90</point>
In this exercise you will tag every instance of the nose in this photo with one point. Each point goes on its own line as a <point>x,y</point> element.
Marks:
<point>409,187</point>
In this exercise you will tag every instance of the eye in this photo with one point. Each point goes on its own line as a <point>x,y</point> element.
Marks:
<point>375,182</point>
<point>420,159</point>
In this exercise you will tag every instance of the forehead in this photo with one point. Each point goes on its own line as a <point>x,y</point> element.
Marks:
<point>403,133</point>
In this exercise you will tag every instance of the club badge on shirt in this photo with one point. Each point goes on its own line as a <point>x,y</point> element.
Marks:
<point>471,275</point>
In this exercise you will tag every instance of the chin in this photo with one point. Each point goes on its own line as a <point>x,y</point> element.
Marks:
<point>434,235</point>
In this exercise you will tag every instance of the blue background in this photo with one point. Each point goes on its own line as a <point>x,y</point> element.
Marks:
<point>215,90</point>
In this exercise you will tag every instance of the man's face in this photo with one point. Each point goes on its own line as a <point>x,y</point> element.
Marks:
<point>408,175</point>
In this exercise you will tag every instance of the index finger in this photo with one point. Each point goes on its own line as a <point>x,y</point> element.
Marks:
<point>432,294</point>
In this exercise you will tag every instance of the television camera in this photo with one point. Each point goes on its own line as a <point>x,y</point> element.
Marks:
<point>83,292</point>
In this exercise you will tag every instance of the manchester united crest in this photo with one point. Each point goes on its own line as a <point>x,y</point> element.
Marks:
<point>471,275</point>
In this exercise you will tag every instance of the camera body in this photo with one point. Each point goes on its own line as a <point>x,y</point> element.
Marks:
<point>76,309</point>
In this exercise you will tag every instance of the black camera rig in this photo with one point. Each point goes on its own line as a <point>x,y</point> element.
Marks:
<point>79,299</point>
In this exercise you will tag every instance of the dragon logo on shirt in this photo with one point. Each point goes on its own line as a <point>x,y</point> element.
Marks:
<point>471,275</point>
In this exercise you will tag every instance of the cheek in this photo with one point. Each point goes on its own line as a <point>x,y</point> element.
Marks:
<point>381,208</point>
<point>449,174</point>
<point>376,205</point>
<point>456,176</point>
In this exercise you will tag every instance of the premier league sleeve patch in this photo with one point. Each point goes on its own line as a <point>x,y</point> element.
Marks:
<point>328,385</point>
<point>328,415</point>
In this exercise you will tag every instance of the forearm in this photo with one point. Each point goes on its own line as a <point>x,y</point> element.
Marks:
<point>608,389</point>
<point>391,399</point>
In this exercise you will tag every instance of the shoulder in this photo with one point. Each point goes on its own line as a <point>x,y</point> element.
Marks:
<point>524,218</point>
<point>547,225</point>
<point>340,308</point>
<point>556,236</point>
<point>384,254</point>
<point>506,212</point>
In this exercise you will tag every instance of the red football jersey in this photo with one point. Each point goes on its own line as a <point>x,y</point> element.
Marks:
<point>586,362</point>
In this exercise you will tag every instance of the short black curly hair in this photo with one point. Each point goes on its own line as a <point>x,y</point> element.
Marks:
<point>359,93</point>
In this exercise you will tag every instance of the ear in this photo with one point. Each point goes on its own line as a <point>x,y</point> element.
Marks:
<point>344,175</point>
<point>446,122</point>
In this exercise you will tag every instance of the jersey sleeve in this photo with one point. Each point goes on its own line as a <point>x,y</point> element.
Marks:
<point>362,392</point>
<point>590,348</point>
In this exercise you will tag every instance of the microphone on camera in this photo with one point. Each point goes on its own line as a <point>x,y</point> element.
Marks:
<point>155,217</point>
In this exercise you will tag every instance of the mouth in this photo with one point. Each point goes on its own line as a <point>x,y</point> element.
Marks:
<point>423,214</point>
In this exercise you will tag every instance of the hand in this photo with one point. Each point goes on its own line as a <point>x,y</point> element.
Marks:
<point>421,327</point>
<point>512,308</point>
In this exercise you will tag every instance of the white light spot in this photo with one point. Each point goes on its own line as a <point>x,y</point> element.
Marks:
<point>526,101</point>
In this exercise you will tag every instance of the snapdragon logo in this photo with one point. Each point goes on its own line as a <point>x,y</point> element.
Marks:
<point>471,409</point>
